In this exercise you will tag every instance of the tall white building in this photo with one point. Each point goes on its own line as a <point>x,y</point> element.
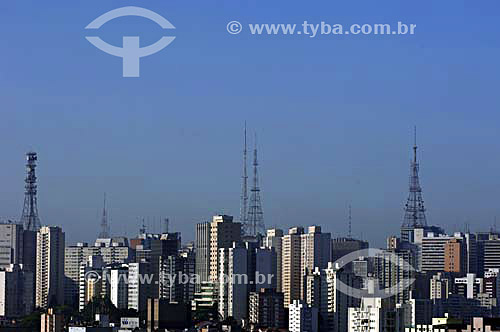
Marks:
<point>49,267</point>
<point>315,250</point>
<point>375,315</point>
<point>291,265</point>
<point>394,271</point>
<point>90,281</point>
<point>233,282</point>
<point>118,283</point>
<point>112,251</point>
<point>302,317</point>
<point>202,245</point>
<point>139,284</point>
<point>440,286</point>
<point>273,239</point>
<point>322,292</point>
<point>301,253</point>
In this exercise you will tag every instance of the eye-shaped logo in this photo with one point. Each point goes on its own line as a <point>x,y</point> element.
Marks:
<point>405,269</point>
<point>131,52</point>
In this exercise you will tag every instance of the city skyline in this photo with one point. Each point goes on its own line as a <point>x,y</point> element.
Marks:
<point>215,166</point>
<point>154,223</point>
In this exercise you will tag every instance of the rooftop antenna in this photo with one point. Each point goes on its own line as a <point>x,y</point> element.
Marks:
<point>349,235</point>
<point>142,230</point>
<point>166,223</point>
<point>104,234</point>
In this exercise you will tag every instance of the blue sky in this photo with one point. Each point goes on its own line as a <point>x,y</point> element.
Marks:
<point>334,114</point>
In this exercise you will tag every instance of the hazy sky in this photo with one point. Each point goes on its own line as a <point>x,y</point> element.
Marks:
<point>334,114</point>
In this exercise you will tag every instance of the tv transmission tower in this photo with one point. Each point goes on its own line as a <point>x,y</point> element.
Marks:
<point>414,208</point>
<point>104,234</point>
<point>255,219</point>
<point>244,187</point>
<point>29,217</point>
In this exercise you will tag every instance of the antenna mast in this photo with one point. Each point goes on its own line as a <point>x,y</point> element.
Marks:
<point>244,187</point>
<point>104,234</point>
<point>414,208</point>
<point>166,225</point>
<point>255,222</point>
<point>29,216</point>
<point>349,235</point>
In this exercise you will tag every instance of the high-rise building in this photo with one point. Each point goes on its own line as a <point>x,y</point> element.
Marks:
<point>202,245</point>
<point>266,309</point>
<point>17,246</point>
<point>291,265</point>
<point>29,251</point>
<point>153,249</point>
<point>265,269</point>
<point>90,284</point>
<point>440,286</point>
<point>170,285</point>
<point>223,232</point>
<point>315,249</point>
<point>233,282</point>
<point>433,251</point>
<point>16,289</point>
<point>139,285</point>
<point>469,286</point>
<point>50,267</point>
<point>51,322</point>
<point>302,317</point>
<point>490,254</point>
<point>394,270</point>
<point>472,253</point>
<point>164,316</point>
<point>273,239</point>
<point>11,244</point>
<point>343,246</point>
<point>205,298</point>
<point>302,252</point>
<point>492,283</point>
<point>375,315</point>
<point>417,312</point>
<point>252,244</point>
<point>112,251</point>
<point>323,292</point>
<point>187,257</point>
<point>455,256</point>
<point>118,279</point>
